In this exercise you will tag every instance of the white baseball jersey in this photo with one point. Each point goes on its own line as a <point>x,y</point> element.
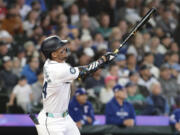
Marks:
<point>57,84</point>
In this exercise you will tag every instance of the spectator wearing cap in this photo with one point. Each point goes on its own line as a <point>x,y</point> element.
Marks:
<point>30,69</point>
<point>149,61</point>
<point>175,116</point>
<point>6,76</point>
<point>135,98</point>
<point>170,87</point>
<point>106,93</point>
<point>80,109</point>
<point>146,78</point>
<point>134,78</point>
<point>22,92</point>
<point>123,71</point>
<point>118,110</point>
<point>95,82</point>
<point>156,104</point>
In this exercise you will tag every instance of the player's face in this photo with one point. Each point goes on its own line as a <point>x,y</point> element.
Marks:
<point>61,53</point>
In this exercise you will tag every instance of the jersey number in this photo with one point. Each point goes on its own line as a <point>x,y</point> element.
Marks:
<point>45,89</point>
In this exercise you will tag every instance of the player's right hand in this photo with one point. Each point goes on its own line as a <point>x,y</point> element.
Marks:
<point>108,57</point>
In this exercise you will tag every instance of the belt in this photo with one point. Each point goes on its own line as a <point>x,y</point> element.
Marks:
<point>56,115</point>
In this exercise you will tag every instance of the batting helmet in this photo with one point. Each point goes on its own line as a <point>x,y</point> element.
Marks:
<point>51,44</point>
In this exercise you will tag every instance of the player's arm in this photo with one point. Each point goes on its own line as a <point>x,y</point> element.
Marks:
<point>92,67</point>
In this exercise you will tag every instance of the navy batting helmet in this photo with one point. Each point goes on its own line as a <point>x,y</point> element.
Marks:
<point>51,44</point>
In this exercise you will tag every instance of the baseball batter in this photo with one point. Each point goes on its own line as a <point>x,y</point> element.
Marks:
<point>58,76</point>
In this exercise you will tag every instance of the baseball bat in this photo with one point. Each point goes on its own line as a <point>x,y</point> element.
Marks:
<point>136,28</point>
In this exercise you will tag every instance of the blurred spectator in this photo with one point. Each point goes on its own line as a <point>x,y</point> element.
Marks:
<point>156,103</point>
<point>129,12</point>
<point>5,36</point>
<point>6,75</point>
<point>137,100</point>
<point>106,93</point>
<point>3,10</point>
<point>131,62</point>
<point>155,47</point>
<point>74,14</point>
<point>137,47</point>
<point>95,82</point>
<point>80,109</point>
<point>17,69</point>
<point>36,34</point>
<point>113,70</point>
<point>149,61</point>
<point>175,116</point>
<point>134,78</point>
<point>24,9</point>
<point>30,22</point>
<point>146,78</point>
<point>170,88</point>
<point>167,22</point>
<point>86,56</point>
<point>30,49</point>
<point>123,71</point>
<point>118,111</point>
<point>37,89</point>
<point>104,28</point>
<point>123,26</point>
<point>115,34</point>
<point>30,69</point>
<point>23,94</point>
<point>13,23</point>
<point>3,49</point>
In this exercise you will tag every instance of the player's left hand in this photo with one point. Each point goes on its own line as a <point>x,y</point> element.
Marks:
<point>108,57</point>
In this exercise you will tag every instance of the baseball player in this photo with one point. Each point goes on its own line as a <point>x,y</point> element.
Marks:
<point>58,76</point>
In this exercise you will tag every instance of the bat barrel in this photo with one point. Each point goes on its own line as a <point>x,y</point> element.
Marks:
<point>137,27</point>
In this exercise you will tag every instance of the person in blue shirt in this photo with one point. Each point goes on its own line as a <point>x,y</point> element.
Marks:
<point>118,111</point>
<point>30,69</point>
<point>175,116</point>
<point>80,109</point>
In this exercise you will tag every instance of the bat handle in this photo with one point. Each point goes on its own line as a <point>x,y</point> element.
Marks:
<point>117,50</point>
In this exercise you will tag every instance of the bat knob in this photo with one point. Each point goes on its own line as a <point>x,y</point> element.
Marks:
<point>116,51</point>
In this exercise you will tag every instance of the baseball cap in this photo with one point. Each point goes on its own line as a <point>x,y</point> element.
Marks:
<point>80,91</point>
<point>118,87</point>
<point>109,78</point>
<point>129,84</point>
<point>6,59</point>
<point>120,57</point>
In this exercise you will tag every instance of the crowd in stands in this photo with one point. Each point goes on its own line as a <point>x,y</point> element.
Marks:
<point>144,78</point>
